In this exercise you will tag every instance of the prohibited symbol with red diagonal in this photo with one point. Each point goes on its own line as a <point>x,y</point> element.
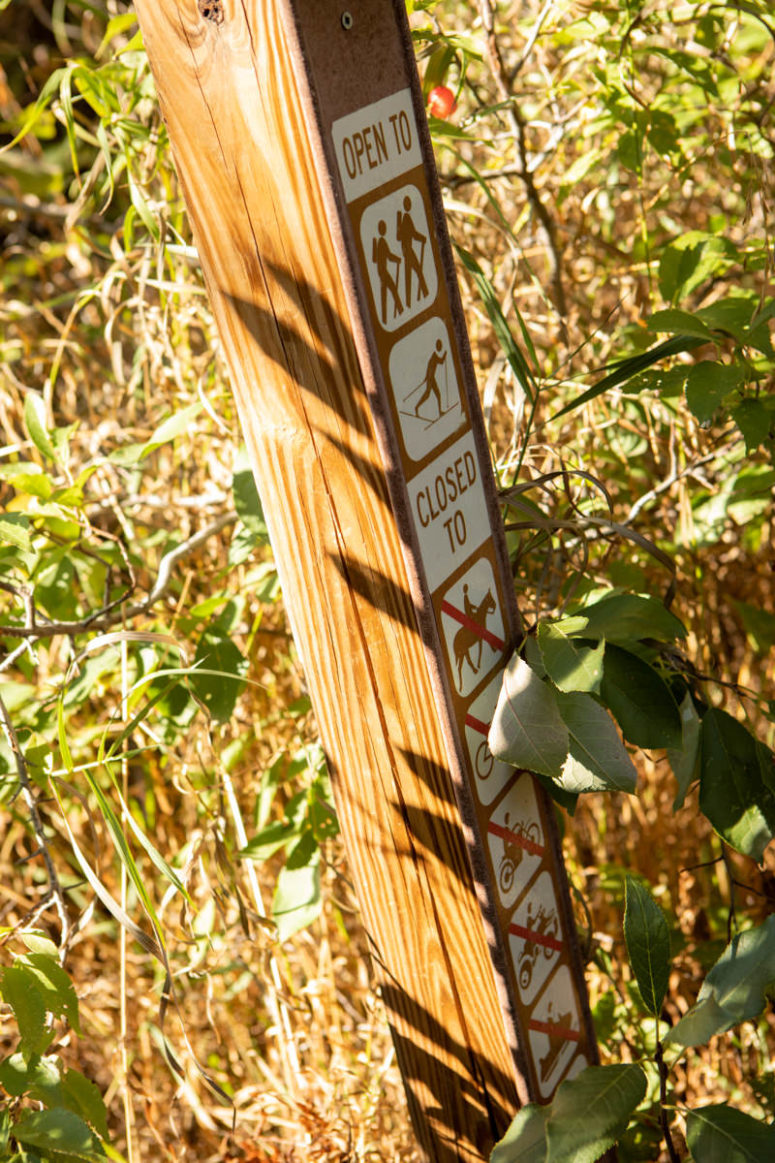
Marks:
<point>472,622</point>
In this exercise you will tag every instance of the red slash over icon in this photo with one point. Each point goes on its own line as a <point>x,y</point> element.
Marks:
<point>467,643</point>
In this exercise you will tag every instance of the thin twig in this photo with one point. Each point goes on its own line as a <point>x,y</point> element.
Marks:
<point>108,616</point>
<point>56,893</point>
<point>517,122</point>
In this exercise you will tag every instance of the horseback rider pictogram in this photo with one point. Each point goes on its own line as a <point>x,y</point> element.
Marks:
<point>469,638</point>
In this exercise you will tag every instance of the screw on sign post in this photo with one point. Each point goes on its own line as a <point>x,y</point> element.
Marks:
<point>300,140</point>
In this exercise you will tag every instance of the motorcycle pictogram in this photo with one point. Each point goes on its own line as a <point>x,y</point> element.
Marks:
<point>544,924</point>
<point>513,850</point>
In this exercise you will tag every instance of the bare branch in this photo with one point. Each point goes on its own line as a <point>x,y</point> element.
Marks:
<point>57,895</point>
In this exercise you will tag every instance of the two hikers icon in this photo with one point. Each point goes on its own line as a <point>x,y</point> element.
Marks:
<point>412,243</point>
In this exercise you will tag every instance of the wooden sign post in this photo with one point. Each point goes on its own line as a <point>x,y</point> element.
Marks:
<point>300,139</point>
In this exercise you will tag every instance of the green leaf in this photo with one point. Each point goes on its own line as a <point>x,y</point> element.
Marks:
<point>169,429</point>
<point>679,323</point>
<point>35,423</point>
<point>589,1112</point>
<point>640,700</point>
<point>525,1140</point>
<point>297,896</point>
<point>13,530</point>
<point>570,666</point>
<point>59,1132</point>
<point>21,992</point>
<point>756,420</point>
<point>85,1099</point>
<point>628,369</point>
<point>18,1074</point>
<point>55,986</point>
<point>721,1134</point>
<point>271,839</point>
<point>509,345</point>
<point>648,944</point>
<point>625,618</point>
<point>708,383</point>
<point>690,261</point>
<point>527,729</point>
<point>736,783</point>
<point>686,761</point>
<point>735,990</point>
<point>597,759</point>
<point>222,667</point>
<point>246,499</point>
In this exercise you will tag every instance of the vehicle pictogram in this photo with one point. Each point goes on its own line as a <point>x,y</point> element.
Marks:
<point>425,388</point>
<point>492,774</point>
<point>516,840</point>
<point>399,257</point>
<point>535,938</point>
<point>473,626</point>
<point>554,1031</point>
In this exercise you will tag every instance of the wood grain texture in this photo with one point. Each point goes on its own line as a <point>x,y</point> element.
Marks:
<point>234,114</point>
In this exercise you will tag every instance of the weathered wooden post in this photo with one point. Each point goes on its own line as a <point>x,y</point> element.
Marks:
<point>300,139</point>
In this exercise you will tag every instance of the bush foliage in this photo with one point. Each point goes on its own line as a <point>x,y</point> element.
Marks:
<point>608,180</point>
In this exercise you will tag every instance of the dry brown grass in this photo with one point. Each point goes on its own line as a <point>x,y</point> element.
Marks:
<point>296,1034</point>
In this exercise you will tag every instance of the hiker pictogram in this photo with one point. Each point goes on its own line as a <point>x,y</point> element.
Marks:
<point>515,840</point>
<point>383,259</point>
<point>412,242</point>
<point>425,388</point>
<point>554,1032</point>
<point>400,259</point>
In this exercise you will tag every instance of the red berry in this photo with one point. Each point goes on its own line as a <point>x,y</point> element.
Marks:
<point>441,102</point>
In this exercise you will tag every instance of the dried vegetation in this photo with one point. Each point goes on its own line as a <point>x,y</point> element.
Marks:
<point>144,556</point>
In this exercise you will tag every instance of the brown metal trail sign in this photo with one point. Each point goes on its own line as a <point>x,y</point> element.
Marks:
<point>300,139</point>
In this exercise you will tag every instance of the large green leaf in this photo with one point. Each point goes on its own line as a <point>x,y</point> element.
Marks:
<point>527,729</point>
<point>640,700</point>
<point>21,992</point>
<point>570,665</point>
<point>721,1134</point>
<point>217,681</point>
<point>297,896</point>
<point>35,423</point>
<point>685,761</point>
<point>648,944</point>
<point>59,1132</point>
<point>623,618</point>
<point>736,781</point>
<point>525,1140</point>
<point>708,383</point>
<point>597,759</point>
<point>54,985</point>
<point>246,499</point>
<point>735,990</point>
<point>589,1112</point>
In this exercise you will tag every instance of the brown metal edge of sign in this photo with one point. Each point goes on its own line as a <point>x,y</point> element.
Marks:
<point>387,439</point>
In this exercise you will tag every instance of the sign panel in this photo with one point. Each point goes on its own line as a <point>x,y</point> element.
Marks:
<point>451,545</point>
